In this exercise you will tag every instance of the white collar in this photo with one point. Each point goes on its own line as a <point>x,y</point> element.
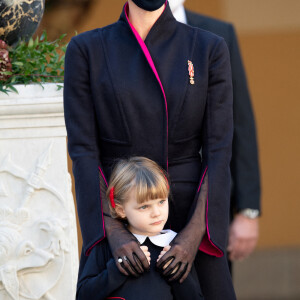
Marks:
<point>163,239</point>
<point>180,15</point>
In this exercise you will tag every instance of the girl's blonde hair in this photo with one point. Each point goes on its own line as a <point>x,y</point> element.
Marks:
<point>149,180</point>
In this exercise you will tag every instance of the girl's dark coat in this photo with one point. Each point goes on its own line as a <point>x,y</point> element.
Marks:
<point>101,279</point>
<point>114,107</point>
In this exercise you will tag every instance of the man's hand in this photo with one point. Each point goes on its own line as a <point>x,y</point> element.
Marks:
<point>243,236</point>
<point>125,246</point>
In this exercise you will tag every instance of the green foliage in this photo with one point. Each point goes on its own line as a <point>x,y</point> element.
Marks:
<point>37,61</point>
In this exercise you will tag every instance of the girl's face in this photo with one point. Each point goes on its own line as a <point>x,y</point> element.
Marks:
<point>147,218</point>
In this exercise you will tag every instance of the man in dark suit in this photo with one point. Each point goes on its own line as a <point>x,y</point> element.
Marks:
<point>245,198</point>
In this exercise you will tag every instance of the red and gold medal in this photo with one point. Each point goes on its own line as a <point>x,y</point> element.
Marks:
<point>191,72</point>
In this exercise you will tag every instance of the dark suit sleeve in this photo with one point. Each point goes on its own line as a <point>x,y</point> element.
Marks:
<point>83,146</point>
<point>100,276</point>
<point>189,289</point>
<point>217,136</point>
<point>244,164</point>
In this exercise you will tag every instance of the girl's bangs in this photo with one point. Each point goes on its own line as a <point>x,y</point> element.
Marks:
<point>147,189</point>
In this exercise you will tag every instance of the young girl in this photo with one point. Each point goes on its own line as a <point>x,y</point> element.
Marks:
<point>138,194</point>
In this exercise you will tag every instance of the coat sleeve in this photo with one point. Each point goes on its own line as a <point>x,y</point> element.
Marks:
<point>100,275</point>
<point>244,163</point>
<point>82,132</point>
<point>217,135</point>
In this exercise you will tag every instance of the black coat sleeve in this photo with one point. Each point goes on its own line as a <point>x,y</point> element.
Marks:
<point>100,275</point>
<point>83,146</point>
<point>217,136</point>
<point>244,163</point>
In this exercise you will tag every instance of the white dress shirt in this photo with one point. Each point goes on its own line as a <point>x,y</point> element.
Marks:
<point>180,15</point>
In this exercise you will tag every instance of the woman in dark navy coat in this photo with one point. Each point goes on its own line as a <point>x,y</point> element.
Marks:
<point>150,86</point>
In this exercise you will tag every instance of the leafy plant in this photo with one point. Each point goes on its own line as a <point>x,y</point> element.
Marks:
<point>37,61</point>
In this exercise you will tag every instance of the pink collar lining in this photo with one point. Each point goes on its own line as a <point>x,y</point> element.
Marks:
<point>151,63</point>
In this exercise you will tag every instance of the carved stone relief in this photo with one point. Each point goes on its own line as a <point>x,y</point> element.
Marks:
<point>35,230</point>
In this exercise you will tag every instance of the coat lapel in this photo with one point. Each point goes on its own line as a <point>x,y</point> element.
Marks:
<point>169,65</point>
<point>154,70</point>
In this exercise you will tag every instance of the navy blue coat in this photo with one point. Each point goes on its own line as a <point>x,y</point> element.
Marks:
<point>115,107</point>
<point>244,163</point>
<point>101,279</point>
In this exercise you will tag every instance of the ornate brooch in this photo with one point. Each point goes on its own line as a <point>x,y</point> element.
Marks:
<point>191,72</point>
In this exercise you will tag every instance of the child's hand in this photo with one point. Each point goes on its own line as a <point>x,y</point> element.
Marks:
<point>162,253</point>
<point>146,252</point>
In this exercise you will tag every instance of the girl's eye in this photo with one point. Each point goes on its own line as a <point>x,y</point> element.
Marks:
<point>143,207</point>
<point>162,201</point>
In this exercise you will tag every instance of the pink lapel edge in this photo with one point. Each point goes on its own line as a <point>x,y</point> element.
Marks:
<point>152,65</point>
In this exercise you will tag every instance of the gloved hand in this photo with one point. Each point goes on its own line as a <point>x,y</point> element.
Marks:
<point>185,245</point>
<point>124,245</point>
<point>183,251</point>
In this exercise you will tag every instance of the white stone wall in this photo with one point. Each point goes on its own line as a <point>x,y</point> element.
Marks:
<point>38,238</point>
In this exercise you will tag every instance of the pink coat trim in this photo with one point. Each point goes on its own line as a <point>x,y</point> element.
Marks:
<point>151,63</point>
<point>207,246</point>
<point>87,253</point>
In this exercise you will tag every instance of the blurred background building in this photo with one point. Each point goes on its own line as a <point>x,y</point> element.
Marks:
<point>269,36</point>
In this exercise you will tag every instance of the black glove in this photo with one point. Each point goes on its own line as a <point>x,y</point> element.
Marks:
<point>176,264</point>
<point>124,245</point>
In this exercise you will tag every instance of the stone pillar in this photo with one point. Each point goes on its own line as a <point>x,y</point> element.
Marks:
<point>38,237</point>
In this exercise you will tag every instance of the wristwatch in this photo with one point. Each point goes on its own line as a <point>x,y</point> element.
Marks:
<point>250,213</point>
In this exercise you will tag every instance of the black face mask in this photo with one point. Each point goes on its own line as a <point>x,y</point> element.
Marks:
<point>149,5</point>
